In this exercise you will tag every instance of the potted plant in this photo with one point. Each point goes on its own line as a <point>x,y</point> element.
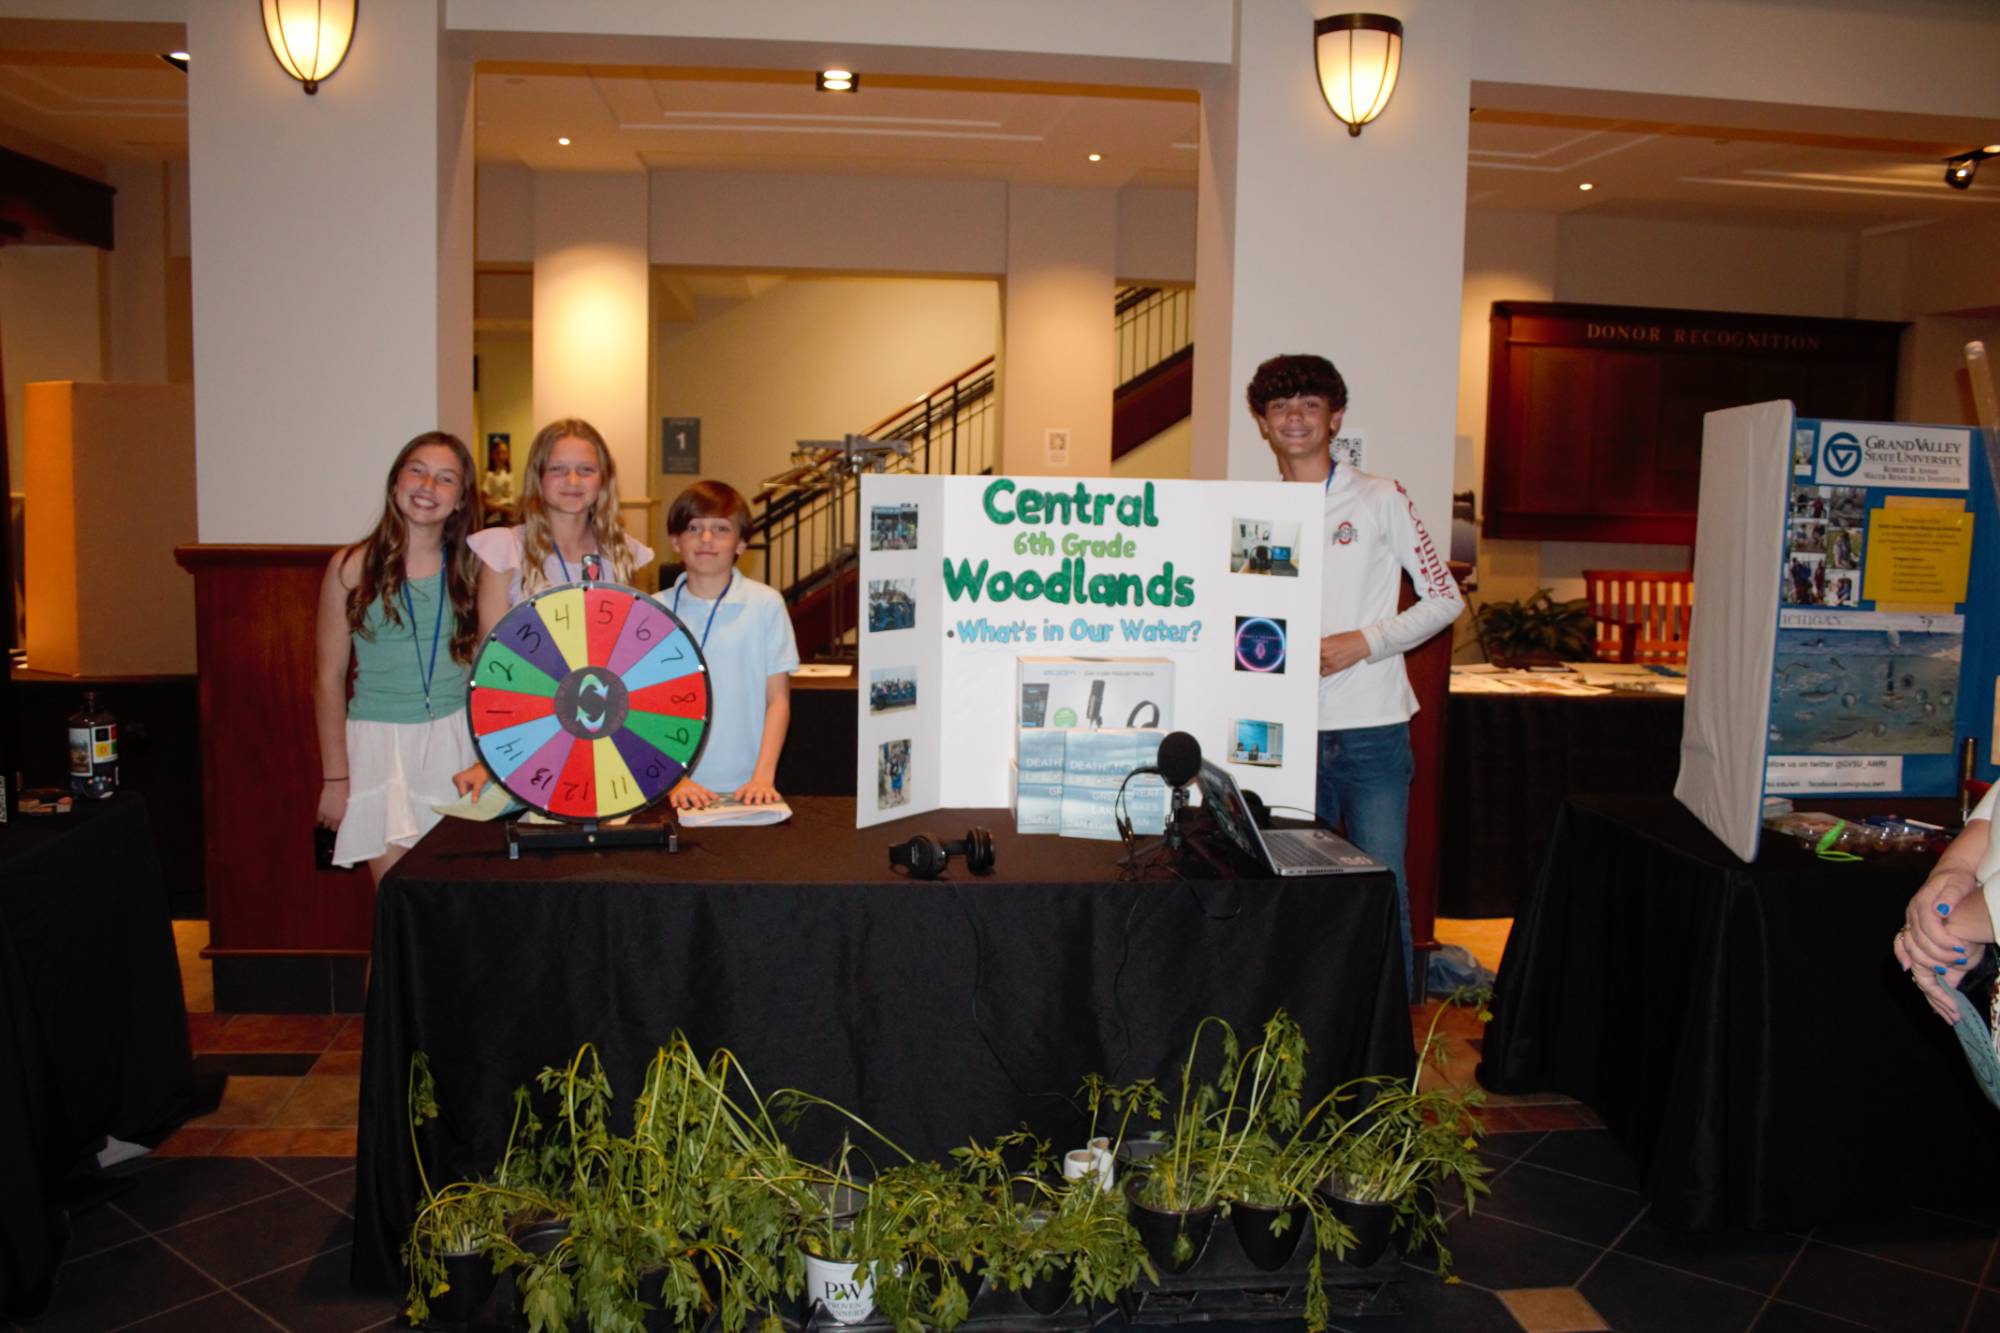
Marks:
<point>1390,1160</point>
<point>1535,629</point>
<point>1127,1100</point>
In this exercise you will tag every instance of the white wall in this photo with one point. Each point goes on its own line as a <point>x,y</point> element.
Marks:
<point>814,358</point>
<point>506,401</point>
<point>1058,366</point>
<point>136,274</point>
<point>1156,235</point>
<point>51,317</point>
<point>1703,266</point>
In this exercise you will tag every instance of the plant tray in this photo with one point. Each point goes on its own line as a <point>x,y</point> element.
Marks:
<point>993,1310</point>
<point>1222,1283</point>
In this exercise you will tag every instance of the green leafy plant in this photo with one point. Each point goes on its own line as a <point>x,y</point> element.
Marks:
<point>1535,628</point>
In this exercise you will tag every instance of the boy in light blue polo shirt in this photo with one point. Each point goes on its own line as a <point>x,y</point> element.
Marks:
<point>745,632</point>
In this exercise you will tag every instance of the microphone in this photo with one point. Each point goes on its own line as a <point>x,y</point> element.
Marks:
<point>1176,764</point>
<point>1093,712</point>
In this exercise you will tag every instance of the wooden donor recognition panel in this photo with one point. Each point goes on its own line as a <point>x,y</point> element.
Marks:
<point>1593,413</point>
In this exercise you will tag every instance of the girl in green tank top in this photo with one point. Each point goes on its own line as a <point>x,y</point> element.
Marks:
<point>399,608</point>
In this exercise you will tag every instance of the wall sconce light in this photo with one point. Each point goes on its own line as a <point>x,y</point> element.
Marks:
<point>309,37</point>
<point>837,81</point>
<point>1358,56</point>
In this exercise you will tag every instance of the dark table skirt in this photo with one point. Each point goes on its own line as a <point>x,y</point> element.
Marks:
<point>1743,1030</point>
<point>1511,760</point>
<point>937,1011</point>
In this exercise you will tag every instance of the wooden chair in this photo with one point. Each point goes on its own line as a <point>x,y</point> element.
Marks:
<point>1642,615</point>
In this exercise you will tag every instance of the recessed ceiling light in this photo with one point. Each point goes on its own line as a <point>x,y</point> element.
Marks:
<point>1993,148</point>
<point>1586,185</point>
<point>1097,157</point>
<point>178,59</point>
<point>836,81</point>
<point>564,141</point>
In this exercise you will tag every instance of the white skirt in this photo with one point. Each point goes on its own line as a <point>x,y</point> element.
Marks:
<point>396,772</point>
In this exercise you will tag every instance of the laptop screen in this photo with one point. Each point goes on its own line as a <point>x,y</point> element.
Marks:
<point>1224,800</point>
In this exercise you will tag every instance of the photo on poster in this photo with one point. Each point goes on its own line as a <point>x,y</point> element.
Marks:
<point>1257,742</point>
<point>1804,580</point>
<point>1802,452</point>
<point>892,774</point>
<point>1846,504</point>
<point>1261,546</point>
<point>1260,644</point>
<point>1808,537</point>
<point>1843,587</point>
<point>892,604</point>
<point>892,688</point>
<point>1864,692</point>
<point>892,528</point>
<point>1843,547</point>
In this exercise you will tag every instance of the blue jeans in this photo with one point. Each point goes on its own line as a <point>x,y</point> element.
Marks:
<point>1364,790</point>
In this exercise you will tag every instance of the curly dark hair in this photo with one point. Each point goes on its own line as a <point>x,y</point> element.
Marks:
<point>1294,374</point>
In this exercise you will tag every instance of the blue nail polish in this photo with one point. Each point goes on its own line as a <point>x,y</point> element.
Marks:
<point>1938,970</point>
<point>1944,909</point>
<point>1959,947</point>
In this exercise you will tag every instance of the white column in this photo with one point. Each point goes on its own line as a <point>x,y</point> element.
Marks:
<point>1058,364</point>
<point>318,331</point>
<point>1311,240</point>
<point>592,336</point>
<point>136,286</point>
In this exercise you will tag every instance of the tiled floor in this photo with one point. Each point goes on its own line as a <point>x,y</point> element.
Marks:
<point>241,1219</point>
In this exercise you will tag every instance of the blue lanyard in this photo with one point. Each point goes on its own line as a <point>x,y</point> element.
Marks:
<point>437,630</point>
<point>711,611</point>
<point>1332,466</point>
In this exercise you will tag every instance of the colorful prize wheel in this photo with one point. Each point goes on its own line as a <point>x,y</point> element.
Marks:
<point>589,701</point>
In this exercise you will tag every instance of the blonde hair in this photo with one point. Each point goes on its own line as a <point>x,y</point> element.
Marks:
<point>536,543</point>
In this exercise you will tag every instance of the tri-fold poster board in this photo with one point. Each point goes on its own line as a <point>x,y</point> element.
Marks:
<point>1840,646</point>
<point>1210,590</point>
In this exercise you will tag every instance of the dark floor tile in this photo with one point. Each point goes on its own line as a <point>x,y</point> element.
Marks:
<point>1591,1153</point>
<point>314,1297</point>
<point>1875,1291</point>
<point>305,1170</point>
<point>1430,1303</point>
<point>1985,1314</point>
<point>1637,1297</point>
<point>173,1190</point>
<point>1511,1146</point>
<point>1949,1246</point>
<point>1492,1253</point>
<point>223,1313</point>
<point>115,1287</point>
<point>96,1229</point>
<point>260,1237</point>
<point>1566,1205</point>
<point>292,1063</point>
<point>1780,1317</point>
<point>337,1189</point>
<point>1753,1259</point>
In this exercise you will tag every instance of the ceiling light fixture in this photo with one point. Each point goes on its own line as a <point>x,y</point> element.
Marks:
<point>837,81</point>
<point>563,140</point>
<point>1097,157</point>
<point>1585,185</point>
<point>178,59</point>
<point>309,38</point>
<point>1358,57</point>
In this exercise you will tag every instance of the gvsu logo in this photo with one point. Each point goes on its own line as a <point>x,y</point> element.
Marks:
<point>1842,454</point>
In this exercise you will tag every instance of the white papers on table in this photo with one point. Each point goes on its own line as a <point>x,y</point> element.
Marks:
<point>825,670</point>
<point>725,813</point>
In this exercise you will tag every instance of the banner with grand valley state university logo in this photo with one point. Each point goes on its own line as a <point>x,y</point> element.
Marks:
<point>963,576</point>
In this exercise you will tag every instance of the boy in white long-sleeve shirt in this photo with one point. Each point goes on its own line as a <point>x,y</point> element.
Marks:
<point>1372,534</point>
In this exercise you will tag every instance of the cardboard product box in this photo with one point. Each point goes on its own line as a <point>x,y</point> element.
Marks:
<point>1094,693</point>
<point>1039,754</point>
<point>1037,806</point>
<point>1095,764</point>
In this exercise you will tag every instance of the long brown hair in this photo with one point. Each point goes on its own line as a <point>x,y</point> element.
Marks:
<point>536,544</point>
<point>383,550</point>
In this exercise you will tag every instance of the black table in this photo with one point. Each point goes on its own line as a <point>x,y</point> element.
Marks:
<point>938,1012</point>
<point>93,1030</point>
<point>1511,760</point>
<point>1743,1030</point>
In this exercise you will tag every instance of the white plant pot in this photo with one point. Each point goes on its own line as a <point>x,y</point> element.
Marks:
<point>1106,1162</point>
<point>846,1292</point>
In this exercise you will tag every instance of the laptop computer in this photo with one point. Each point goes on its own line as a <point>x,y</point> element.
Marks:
<point>1287,852</point>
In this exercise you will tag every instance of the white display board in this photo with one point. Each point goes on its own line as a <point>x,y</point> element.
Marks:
<point>961,576</point>
<point>1739,541</point>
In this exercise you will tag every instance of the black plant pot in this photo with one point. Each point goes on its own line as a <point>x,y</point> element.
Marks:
<point>538,1239</point>
<point>471,1280</point>
<point>1160,1229</point>
<point>1371,1224</point>
<point>1046,1295</point>
<point>652,1292</point>
<point>1253,1232</point>
<point>937,1273</point>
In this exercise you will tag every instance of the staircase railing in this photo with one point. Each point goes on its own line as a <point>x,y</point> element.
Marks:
<point>808,527</point>
<point>1152,324</point>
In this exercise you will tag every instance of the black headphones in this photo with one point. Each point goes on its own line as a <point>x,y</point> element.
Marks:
<point>927,858</point>
<point>1132,718</point>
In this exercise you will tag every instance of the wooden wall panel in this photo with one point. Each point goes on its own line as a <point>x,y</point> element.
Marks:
<point>254,613</point>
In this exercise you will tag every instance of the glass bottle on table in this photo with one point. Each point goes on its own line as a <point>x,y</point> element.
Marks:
<point>93,750</point>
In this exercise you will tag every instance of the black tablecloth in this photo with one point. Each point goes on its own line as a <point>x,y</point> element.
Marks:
<point>1743,1030</point>
<point>937,1011</point>
<point>93,1032</point>
<point>1510,762</point>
